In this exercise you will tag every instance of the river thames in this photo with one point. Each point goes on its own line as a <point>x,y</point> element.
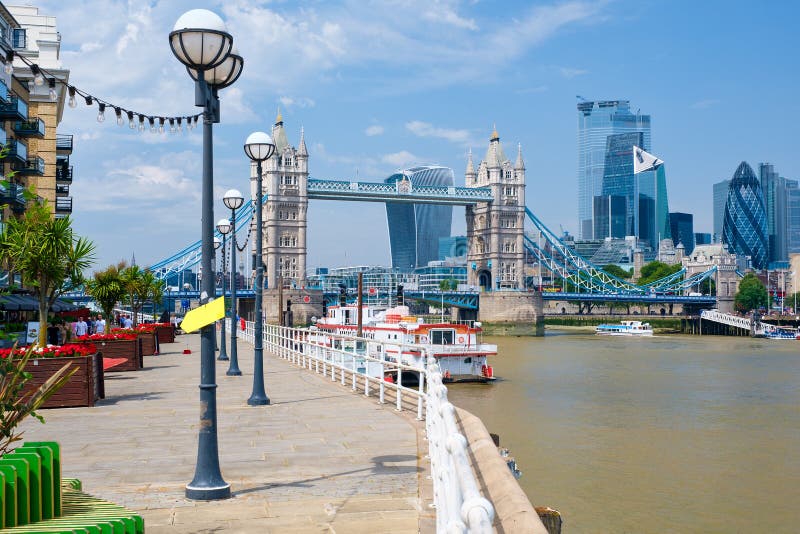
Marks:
<point>667,434</point>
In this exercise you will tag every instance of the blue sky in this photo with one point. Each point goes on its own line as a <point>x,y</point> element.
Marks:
<point>380,85</point>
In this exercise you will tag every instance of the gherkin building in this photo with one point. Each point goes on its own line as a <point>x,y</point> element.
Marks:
<point>744,228</point>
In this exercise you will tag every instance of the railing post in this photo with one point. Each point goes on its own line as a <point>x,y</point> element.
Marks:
<point>382,386</point>
<point>354,372</point>
<point>398,385</point>
<point>421,394</point>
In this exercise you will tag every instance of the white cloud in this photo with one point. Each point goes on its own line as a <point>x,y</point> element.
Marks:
<point>374,130</point>
<point>400,159</point>
<point>425,129</point>
<point>437,12</point>
<point>297,102</point>
<point>568,72</point>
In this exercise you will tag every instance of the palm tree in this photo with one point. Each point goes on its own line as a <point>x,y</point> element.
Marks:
<point>107,289</point>
<point>47,254</point>
<point>140,286</point>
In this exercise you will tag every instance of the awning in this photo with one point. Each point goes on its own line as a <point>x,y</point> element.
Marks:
<point>22,302</point>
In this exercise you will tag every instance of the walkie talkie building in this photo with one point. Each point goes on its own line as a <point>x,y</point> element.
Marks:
<point>744,228</point>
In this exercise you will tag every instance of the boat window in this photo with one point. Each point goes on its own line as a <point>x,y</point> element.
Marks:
<point>468,359</point>
<point>442,337</point>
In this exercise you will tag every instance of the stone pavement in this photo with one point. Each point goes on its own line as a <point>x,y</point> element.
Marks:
<point>318,459</point>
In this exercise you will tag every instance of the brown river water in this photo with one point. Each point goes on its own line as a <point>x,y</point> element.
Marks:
<point>667,434</point>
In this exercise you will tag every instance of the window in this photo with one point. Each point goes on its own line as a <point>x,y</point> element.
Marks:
<point>443,337</point>
<point>509,246</point>
<point>288,240</point>
<point>20,38</point>
<point>293,215</point>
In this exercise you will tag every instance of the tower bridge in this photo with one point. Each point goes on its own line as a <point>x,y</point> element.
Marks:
<point>496,221</point>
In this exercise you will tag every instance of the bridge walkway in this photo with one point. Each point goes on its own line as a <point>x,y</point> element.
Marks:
<point>318,459</point>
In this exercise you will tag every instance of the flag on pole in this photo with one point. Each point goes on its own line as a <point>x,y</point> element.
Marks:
<point>204,315</point>
<point>643,161</point>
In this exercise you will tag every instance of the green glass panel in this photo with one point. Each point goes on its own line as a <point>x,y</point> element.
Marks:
<point>23,487</point>
<point>35,486</point>
<point>48,491</point>
<point>10,486</point>
<point>53,446</point>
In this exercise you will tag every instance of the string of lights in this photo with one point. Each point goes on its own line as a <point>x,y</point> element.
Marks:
<point>135,119</point>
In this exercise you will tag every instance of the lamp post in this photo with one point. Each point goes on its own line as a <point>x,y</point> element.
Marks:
<point>201,42</point>
<point>223,226</point>
<point>233,200</point>
<point>259,148</point>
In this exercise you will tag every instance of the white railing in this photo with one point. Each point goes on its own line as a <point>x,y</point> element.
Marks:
<point>761,329</point>
<point>362,364</point>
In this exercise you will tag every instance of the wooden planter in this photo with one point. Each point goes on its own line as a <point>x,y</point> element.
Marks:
<point>165,334</point>
<point>147,340</point>
<point>122,348</point>
<point>82,389</point>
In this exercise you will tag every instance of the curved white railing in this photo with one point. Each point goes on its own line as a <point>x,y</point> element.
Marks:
<point>362,364</point>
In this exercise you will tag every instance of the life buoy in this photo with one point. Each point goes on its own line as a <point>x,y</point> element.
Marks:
<point>461,339</point>
<point>446,375</point>
<point>423,339</point>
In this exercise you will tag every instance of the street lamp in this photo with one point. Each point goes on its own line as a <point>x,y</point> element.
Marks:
<point>233,200</point>
<point>201,42</point>
<point>224,226</point>
<point>259,148</point>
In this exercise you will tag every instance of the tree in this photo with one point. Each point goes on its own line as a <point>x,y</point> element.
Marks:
<point>616,270</point>
<point>656,270</point>
<point>751,295</point>
<point>140,286</point>
<point>48,256</point>
<point>448,284</point>
<point>107,289</point>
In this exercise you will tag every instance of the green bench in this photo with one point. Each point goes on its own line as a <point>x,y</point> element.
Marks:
<point>35,498</point>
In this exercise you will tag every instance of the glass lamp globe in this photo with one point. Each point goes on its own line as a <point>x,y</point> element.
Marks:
<point>200,39</point>
<point>259,146</point>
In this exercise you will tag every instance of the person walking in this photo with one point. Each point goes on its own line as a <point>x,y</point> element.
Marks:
<point>100,325</point>
<point>81,327</point>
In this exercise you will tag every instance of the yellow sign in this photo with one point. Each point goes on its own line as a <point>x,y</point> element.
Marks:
<point>204,315</point>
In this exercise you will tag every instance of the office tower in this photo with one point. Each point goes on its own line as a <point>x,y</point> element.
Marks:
<point>651,217</point>
<point>744,228</point>
<point>415,229</point>
<point>618,180</point>
<point>793,217</point>
<point>720,199</point>
<point>452,247</point>
<point>610,216</point>
<point>597,120</point>
<point>702,238</point>
<point>682,227</point>
<point>774,188</point>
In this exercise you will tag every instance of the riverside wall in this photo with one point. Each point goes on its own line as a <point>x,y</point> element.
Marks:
<point>511,313</point>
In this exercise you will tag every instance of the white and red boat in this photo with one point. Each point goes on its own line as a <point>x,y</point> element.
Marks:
<point>456,346</point>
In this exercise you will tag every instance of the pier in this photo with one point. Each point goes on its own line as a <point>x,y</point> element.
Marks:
<point>319,457</point>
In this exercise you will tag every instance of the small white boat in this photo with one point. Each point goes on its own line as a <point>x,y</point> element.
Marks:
<point>625,328</point>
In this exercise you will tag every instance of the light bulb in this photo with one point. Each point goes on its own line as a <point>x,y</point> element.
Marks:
<point>141,124</point>
<point>131,124</point>
<point>152,125</point>
<point>53,94</point>
<point>31,87</point>
<point>9,68</point>
<point>120,120</point>
<point>72,101</point>
<point>101,113</point>
<point>38,79</point>
<point>172,126</point>
<point>161,128</point>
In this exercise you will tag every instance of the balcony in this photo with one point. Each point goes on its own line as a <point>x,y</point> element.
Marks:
<point>62,190</point>
<point>3,92</point>
<point>64,205</point>
<point>14,196</point>
<point>14,109</point>
<point>30,128</point>
<point>17,151</point>
<point>64,173</point>
<point>33,165</point>
<point>64,144</point>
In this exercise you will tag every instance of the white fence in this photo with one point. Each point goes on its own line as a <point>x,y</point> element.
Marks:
<point>362,364</point>
<point>738,321</point>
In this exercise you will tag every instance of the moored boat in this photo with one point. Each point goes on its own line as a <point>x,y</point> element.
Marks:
<point>461,355</point>
<point>625,328</point>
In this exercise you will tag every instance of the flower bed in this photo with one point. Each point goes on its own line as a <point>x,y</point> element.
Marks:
<point>146,339</point>
<point>121,345</point>
<point>165,332</point>
<point>82,389</point>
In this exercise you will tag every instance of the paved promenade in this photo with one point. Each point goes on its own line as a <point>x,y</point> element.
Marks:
<point>318,459</point>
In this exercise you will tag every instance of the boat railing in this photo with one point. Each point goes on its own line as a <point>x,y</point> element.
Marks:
<point>459,505</point>
<point>455,349</point>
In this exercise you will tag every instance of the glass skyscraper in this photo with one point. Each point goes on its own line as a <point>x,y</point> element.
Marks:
<point>720,199</point>
<point>618,178</point>
<point>682,226</point>
<point>596,122</point>
<point>653,206</point>
<point>744,228</point>
<point>793,215</point>
<point>415,229</point>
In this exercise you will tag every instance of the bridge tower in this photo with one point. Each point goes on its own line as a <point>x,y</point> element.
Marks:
<point>495,259</point>
<point>285,216</point>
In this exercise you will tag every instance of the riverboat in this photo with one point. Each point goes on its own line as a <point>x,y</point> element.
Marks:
<point>625,328</point>
<point>461,355</point>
